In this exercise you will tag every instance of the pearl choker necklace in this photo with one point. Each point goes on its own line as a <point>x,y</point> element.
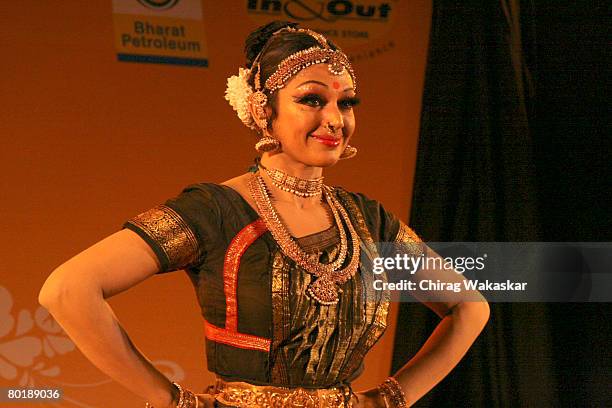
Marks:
<point>294,185</point>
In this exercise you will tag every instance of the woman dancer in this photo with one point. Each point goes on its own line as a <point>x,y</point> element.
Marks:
<point>279,260</point>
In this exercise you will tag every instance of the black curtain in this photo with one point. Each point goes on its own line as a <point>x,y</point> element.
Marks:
<point>513,147</point>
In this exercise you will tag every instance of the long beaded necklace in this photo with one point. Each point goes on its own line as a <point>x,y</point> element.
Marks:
<point>325,289</point>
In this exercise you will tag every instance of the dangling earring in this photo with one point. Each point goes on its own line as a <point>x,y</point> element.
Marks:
<point>258,101</point>
<point>267,143</point>
<point>349,152</point>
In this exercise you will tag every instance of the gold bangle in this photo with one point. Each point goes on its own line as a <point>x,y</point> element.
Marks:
<point>391,389</point>
<point>181,399</point>
<point>187,399</point>
<point>384,397</point>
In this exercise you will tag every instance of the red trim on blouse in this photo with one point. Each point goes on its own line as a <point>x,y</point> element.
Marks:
<point>240,340</point>
<point>231,265</point>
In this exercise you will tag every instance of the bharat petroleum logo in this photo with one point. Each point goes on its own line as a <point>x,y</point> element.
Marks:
<point>352,23</point>
<point>159,4</point>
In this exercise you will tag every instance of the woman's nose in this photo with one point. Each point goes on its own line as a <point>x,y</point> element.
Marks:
<point>332,118</point>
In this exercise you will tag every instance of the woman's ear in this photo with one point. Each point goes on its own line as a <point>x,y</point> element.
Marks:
<point>259,109</point>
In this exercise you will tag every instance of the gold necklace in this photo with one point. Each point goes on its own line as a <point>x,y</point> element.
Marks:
<point>292,184</point>
<point>325,289</point>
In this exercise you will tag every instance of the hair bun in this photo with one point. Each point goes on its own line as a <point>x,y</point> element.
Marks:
<point>258,39</point>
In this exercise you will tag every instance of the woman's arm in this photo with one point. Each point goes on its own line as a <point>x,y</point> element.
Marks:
<point>444,348</point>
<point>463,315</point>
<point>75,295</point>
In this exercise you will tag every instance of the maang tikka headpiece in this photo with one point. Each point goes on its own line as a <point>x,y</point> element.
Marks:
<point>240,94</point>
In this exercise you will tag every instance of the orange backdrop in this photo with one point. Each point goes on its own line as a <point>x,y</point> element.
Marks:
<point>88,142</point>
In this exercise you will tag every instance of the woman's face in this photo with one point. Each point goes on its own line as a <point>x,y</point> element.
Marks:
<point>315,118</point>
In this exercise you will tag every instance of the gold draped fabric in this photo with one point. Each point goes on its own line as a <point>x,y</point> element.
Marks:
<point>321,345</point>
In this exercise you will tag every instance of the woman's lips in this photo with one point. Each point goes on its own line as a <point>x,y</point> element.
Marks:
<point>327,140</point>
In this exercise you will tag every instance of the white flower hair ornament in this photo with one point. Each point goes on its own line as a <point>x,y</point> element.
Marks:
<point>237,94</point>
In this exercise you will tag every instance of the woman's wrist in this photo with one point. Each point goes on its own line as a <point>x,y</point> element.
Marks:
<point>177,394</point>
<point>180,397</point>
<point>392,394</point>
<point>373,398</point>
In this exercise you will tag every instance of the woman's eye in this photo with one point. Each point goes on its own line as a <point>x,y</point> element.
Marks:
<point>311,100</point>
<point>348,103</point>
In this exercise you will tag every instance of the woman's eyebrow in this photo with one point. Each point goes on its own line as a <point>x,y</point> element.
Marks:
<point>312,81</point>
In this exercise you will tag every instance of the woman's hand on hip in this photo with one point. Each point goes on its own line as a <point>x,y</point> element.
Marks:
<point>369,399</point>
<point>205,400</point>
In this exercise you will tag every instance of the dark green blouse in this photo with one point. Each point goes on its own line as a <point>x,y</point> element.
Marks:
<point>260,325</point>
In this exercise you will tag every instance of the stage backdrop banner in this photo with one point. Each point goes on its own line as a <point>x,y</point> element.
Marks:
<point>161,32</point>
<point>362,29</point>
<point>92,141</point>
